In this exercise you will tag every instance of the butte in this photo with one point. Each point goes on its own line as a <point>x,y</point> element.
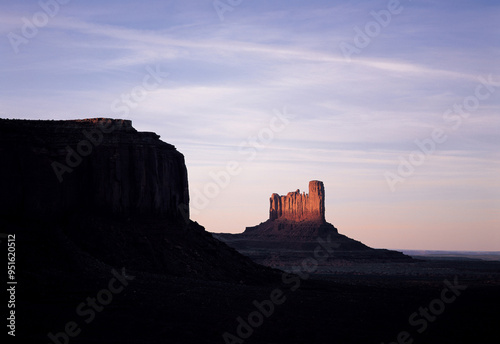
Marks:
<point>296,228</point>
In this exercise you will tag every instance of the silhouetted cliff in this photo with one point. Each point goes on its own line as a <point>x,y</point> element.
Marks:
<point>86,195</point>
<point>95,165</point>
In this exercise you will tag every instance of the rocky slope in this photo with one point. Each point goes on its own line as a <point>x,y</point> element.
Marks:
<point>86,195</point>
<point>295,229</point>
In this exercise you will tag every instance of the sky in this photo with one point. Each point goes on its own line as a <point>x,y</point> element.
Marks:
<point>394,105</point>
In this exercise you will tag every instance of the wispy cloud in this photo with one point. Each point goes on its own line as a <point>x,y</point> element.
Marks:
<point>352,120</point>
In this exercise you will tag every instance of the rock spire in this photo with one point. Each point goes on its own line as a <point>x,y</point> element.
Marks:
<point>300,207</point>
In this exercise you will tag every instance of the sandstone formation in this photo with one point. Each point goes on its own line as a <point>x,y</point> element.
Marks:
<point>87,195</point>
<point>97,165</point>
<point>300,207</point>
<point>296,215</point>
<point>290,235</point>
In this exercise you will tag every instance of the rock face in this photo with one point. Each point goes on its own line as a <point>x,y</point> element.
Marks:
<point>296,223</point>
<point>300,207</point>
<point>87,195</point>
<point>97,165</point>
<point>296,215</point>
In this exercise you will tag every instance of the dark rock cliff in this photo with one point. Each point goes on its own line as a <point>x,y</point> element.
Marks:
<point>86,195</point>
<point>105,166</point>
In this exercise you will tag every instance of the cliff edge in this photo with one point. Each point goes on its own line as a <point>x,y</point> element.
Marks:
<point>86,195</point>
<point>97,165</point>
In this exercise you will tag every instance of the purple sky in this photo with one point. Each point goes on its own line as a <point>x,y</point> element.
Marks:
<point>394,105</point>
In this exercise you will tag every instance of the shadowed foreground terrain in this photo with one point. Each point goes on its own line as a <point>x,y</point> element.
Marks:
<point>106,253</point>
<point>342,308</point>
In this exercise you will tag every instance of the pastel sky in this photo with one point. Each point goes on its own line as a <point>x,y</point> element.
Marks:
<point>394,105</point>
